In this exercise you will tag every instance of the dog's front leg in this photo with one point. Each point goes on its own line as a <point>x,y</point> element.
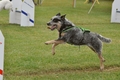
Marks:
<point>53,48</point>
<point>50,42</point>
<point>55,44</point>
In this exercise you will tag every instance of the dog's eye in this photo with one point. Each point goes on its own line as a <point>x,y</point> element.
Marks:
<point>56,20</point>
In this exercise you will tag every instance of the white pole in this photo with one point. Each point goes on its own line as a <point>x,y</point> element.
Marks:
<point>74,3</point>
<point>1,55</point>
<point>92,7</point>
<point>41,1</point>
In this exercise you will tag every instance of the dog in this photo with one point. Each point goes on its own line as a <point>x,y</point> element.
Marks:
<point>69,33</point>
<point>6,4</point>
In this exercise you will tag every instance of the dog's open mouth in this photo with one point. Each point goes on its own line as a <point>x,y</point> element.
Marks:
<point>52,27</point>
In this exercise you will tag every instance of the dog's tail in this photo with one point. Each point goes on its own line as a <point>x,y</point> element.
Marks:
<point>104,39</point>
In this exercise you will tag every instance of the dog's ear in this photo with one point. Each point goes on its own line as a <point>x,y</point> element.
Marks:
<point>58,14</point>
<point>63,16</point>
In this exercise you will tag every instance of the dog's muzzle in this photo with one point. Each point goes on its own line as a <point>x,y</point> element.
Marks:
<point>52,27</point>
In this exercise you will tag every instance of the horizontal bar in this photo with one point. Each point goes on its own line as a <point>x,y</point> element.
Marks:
<point>118,11</point>
<point>18,11</point>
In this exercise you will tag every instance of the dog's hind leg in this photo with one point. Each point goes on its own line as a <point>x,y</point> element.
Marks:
<point>92,49</point>
<point>100,57</point>
<point>101,61</point>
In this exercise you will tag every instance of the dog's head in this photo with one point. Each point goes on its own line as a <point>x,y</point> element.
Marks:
<point>58,21</point>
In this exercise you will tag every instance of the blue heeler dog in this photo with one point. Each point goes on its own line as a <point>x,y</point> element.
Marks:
<point>71,34</point>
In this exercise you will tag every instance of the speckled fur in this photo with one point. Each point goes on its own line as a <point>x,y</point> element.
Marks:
<point>76,36</point>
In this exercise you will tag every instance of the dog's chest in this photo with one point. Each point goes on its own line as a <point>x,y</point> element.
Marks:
<point>62,34</point>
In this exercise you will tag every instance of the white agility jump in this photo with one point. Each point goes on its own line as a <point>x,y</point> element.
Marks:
<point>23,13</point>
<point>115,14</point>
<point>1,55</point>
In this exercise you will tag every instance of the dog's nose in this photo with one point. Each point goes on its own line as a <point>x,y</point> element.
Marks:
<point>48,23</point>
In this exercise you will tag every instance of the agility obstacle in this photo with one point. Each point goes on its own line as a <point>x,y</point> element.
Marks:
<point>115,14</point>
<point>74,3</point>
<point>40,2</point>
<point>92,6</point>
<point>91,1</point>
<point>1,55</point>
<point>23,13</point>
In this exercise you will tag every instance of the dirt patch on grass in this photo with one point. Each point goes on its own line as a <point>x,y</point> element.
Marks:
<point>66,70</point>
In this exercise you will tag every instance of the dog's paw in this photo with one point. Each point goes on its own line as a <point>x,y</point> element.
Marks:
<point>102,67</point>
<point>53,53</point>
<point>46,43</point>
<point>49,42</point>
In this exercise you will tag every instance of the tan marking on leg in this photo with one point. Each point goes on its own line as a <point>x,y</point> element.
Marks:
<point>55,43</point>
<point>101,61</point>
<point>49,42</point>
<point>100,57</point>
<point>53,48</point>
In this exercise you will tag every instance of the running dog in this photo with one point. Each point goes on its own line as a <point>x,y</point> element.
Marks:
<point>69,33</point>
<point>6,4</point>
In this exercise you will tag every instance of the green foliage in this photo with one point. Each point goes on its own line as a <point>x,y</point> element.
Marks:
<point>28,58</point>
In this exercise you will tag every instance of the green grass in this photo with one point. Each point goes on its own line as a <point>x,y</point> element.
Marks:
<point>28,58</point>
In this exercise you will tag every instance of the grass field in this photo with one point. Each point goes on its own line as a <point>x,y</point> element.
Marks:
<point>28,58</point>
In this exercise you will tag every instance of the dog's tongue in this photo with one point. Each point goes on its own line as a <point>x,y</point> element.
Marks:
<point>53,27</point>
